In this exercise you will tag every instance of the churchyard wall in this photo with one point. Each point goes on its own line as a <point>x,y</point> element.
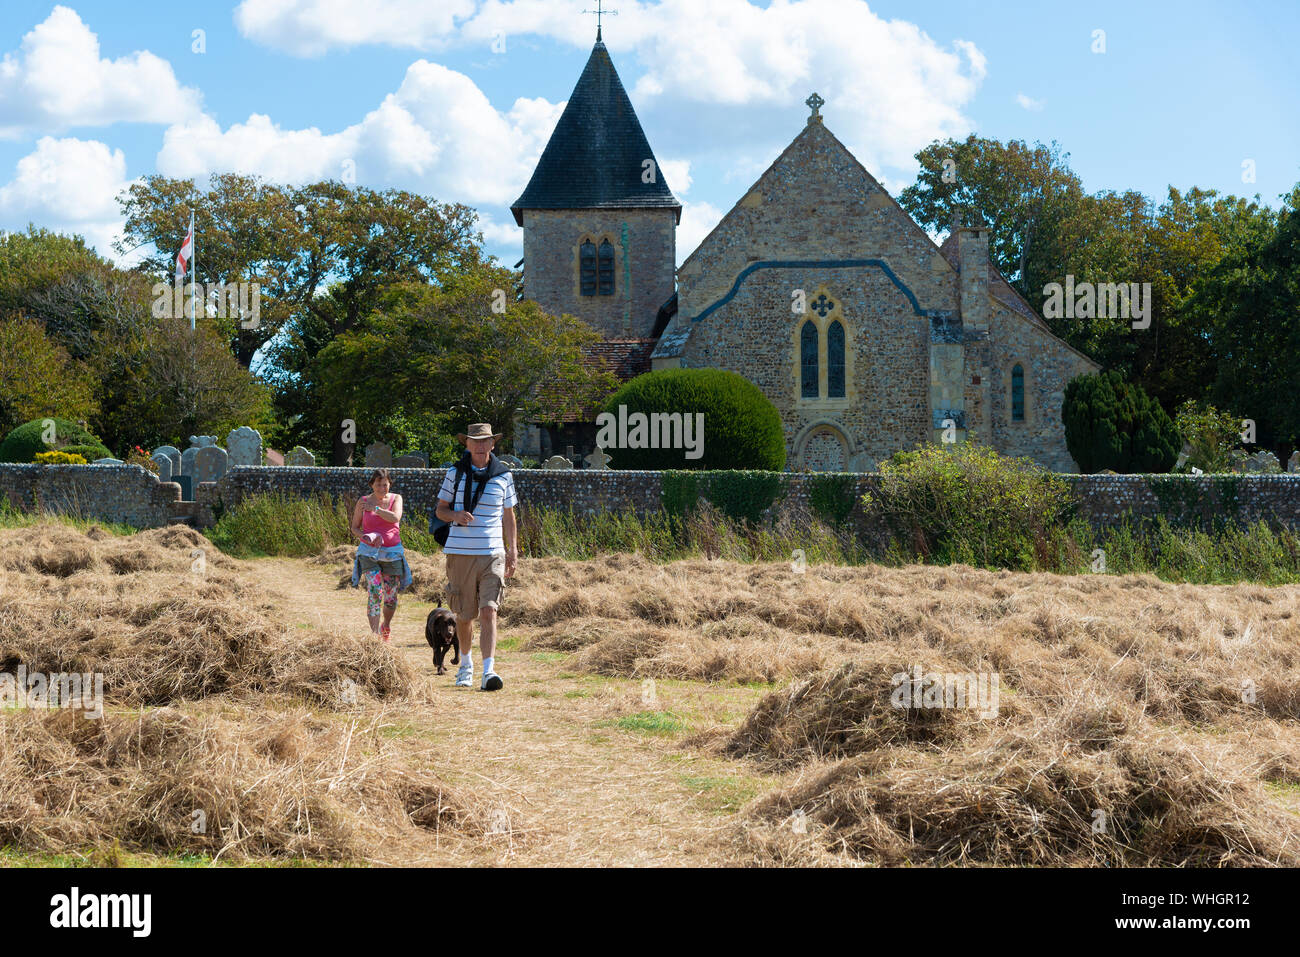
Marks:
<point>130,495</point>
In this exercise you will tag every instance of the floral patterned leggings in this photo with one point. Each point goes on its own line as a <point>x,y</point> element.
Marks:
<point>381,590</point>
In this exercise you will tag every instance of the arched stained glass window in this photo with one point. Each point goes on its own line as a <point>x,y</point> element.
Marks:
<point>808,360</point>
<point>587,268</point>
<point>835,360</point>
<point>1017,393</point>
<point>606,268</point>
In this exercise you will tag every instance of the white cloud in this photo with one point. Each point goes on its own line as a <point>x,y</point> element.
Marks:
<point>57,80</point>
<point>889,87</point>
<point>313,27</point>
<point>1029,103</point>
<point>438,134</point>
<point>698,220</point>
<point>677,174</point>
<point>70,186</point>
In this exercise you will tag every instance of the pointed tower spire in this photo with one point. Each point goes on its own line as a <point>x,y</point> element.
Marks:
<point>598,156</point>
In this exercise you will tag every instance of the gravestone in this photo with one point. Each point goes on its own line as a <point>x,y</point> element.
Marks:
<point>108,460</point>
<point>244,446</point>
<point>557,462</point>
<point>210,464</point>
<point>299,457</point>
<point>164,463</point>
<point>379,456</point>
<point>422,456</point>
<point>599,460</point>
<point>410,462</point>
<point>173,453</point>
<point>1263,462</point>
<point>1293,463</point>
<point>511,461</point>
<point>196,442</point>
<point>274,458</point>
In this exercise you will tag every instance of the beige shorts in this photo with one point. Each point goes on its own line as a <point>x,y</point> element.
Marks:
<point>475,582</point>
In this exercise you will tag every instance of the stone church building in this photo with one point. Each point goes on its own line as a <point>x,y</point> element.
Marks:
<point>816,286</point>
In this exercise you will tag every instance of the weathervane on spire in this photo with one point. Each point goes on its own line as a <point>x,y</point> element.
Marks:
<point>815,103</point>
<point>600,12</point>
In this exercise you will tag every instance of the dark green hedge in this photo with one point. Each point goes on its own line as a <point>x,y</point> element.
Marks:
<point>740,495</point>
<point>1111,423</point>
<point>23,443</point>
<point>742,429</point>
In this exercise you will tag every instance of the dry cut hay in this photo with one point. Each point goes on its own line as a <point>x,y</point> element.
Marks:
<point>284,785</point>
<point>1023,799</point>
<point>163,616</point>
<point>1183,652</point>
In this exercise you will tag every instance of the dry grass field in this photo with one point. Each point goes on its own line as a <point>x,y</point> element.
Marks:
<point>698,712</point>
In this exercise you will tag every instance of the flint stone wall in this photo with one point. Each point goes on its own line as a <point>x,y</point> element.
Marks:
<point>131,495</point>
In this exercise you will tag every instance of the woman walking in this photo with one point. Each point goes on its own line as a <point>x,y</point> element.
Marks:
<point>380,560</point>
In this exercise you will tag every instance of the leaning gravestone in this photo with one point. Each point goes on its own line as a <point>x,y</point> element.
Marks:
<point>173,453</point>
<point>299,457</point>
<point>274,458</point>
<point>164,464</point>
<point>557,462</point>
<point>410,462</point>
<point>244,446</point>
<point>422,456</point>
<point>196,442</point>
<point>210,464</point>
<point>379,456</point>
<point>512,461</point>
<point>1293,463</point>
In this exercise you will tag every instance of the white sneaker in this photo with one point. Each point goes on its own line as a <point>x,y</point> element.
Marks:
<point>491,681</point>
<point>465,675</point>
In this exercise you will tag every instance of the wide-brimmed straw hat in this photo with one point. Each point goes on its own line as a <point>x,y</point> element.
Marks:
<point>478,430</point>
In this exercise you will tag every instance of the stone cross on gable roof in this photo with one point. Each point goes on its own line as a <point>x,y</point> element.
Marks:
<point>815,102</point>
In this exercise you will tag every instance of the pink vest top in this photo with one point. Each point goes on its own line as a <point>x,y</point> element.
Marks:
<point>388,531</point>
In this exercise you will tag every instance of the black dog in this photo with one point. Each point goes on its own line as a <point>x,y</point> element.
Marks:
<point>440,633</point>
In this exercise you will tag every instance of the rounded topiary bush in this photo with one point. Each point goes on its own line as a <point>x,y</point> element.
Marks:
<point>1111,423</point>
<point>24,443</point>
<point>741,427</point>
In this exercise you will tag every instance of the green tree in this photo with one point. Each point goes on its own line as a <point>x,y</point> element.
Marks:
<point>1248,306</point>
<point>445,351</point>
<point>292,241</point>
<point>1111,423</point>
<point>1210,436</point>
<point>37,377</point>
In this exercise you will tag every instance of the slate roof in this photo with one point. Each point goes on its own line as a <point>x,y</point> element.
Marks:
<point>596,154</point>
<point>625,358</point>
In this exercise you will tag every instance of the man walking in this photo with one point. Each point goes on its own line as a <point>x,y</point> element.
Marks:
<point>482,546</point>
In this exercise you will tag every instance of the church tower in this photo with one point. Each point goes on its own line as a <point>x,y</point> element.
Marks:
<point>599,221</point>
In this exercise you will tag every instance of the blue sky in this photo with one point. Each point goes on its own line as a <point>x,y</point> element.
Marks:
<point>412,93</point>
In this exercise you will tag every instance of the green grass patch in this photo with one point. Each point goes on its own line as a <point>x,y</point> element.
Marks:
<point>723,795</point>
<point>647,722</point>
